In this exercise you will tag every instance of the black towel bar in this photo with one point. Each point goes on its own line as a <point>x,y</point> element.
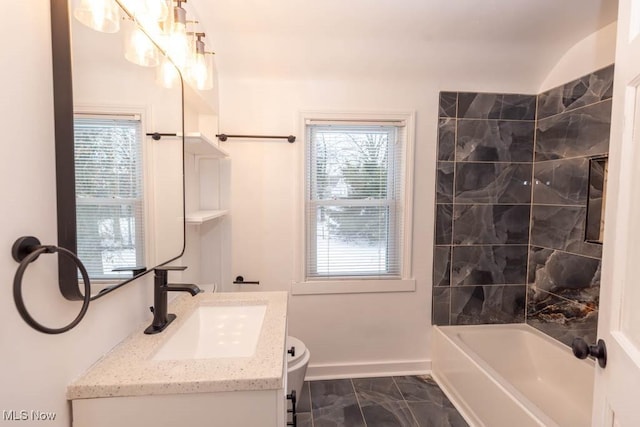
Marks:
<point>224,137</point>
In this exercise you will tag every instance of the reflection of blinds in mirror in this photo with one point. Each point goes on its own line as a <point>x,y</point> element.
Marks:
<point>109,194</point>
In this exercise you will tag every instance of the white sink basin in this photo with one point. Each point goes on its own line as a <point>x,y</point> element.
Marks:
<point>215,332</point>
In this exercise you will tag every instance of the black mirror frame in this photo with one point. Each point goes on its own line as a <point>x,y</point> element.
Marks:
<point>64,147</point>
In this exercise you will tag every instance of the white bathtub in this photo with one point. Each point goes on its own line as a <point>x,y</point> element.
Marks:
<point>512,375</point>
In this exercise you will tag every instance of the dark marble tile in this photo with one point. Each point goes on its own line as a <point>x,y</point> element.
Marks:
<point>562,227</point>
<point>304,420</point>
<point>490,224</point>
<point>479,105</point>
<point>383,387</point>
<point>381,402</point>
<point>441,300</point>
<point>430,414</point>
<point>583,132</point>
<point>441,265</point>
<point>443,224</point>
<point>475,305</point>
<point>564,182</point>
<point>334,404</point>
<point>495,141</point>
<point>561,318</point>
<point>444,183</point>
<point>304,400</point>
<point>518,107</point>
<point>493,183</point>
<point>387,413</point>
<point>571,276</point>
<point>586,90</point>
<point>420,389</point>
<point>446,139</point>
<point>448,104</point>
<point>430,406</point>
<point>489,265</point>
<point>496,106</point>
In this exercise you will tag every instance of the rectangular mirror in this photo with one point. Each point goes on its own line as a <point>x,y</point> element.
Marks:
<point>120,191</point>
<point>594,229</point>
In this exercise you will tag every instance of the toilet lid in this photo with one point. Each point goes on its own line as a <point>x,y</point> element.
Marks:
<point>300,349</point>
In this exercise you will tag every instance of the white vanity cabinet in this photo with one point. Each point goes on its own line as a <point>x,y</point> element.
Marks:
<point>264,408</point>
<point>135,386</point>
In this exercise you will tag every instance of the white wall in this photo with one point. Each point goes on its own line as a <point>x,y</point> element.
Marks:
<point>346,332</point>
<point>592,53</point>
<point>36,368</point>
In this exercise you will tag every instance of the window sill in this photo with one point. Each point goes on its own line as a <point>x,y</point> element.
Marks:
<point>353,286</point>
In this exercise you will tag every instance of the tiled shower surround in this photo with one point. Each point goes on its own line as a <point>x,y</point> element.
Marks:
<point>511,200</point>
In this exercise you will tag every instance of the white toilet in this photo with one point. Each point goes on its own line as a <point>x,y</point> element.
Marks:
<point>297,365</point>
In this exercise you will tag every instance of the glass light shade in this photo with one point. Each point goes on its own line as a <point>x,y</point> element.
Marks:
<point>138,48</point>
<point>150,14</point>
<point>200,71</point>
<point>100,15</point>
<point>178,48</point>
<point>158,10</point>
<point>167,74</point>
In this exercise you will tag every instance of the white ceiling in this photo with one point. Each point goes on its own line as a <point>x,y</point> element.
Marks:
<point>440,39</point>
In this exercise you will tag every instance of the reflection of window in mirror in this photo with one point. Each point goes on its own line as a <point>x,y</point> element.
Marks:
<point>109,193</point>
<point>594,230</point>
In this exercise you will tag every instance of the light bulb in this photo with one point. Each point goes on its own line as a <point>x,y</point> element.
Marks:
<point>158,10</point>
<point>178,42</point>
<point>167,74</point>
<point>100,15</point>
<point>200,70</point>
<point>138,48</point>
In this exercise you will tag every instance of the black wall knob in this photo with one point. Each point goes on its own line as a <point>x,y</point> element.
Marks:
<point>582,350</point>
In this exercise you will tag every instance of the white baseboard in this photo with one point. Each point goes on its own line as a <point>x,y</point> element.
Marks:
<point>389,368</point>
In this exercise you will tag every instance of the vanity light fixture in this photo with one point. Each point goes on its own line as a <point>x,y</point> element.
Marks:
<point>155,27</point>
<point>167,74</point>
<point>177,45</point>
<point>200,70</point>
<point>138,48</point>
<point>100,15</point>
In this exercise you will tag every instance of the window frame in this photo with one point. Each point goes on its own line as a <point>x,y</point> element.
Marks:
<point>304,285</point>
<point>148,200</point>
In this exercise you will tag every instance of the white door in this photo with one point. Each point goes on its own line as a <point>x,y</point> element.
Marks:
<point>617,387</point>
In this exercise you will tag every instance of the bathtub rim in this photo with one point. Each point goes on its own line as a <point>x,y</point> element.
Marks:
<point>527,406</point>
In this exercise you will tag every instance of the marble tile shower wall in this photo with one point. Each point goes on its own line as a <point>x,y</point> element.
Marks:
<point>506,250</point>
<point>564,271</point>
<point>485,167</point>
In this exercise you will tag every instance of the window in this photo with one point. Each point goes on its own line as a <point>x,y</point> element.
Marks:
<point>109,194</point>
<point>355,200</point>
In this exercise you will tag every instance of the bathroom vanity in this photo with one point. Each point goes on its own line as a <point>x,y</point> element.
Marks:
<point>220,363</point>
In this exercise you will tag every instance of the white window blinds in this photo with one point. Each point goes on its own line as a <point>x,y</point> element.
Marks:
<point>109,194</point>
<point>354,200</point>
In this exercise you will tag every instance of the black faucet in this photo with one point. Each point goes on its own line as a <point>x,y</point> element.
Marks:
<point>162,319</point>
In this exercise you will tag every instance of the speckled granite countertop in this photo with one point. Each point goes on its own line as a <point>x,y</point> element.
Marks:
<point>128,369</point>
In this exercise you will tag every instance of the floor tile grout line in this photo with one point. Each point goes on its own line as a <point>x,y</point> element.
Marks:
<point>405,402</point>
<point>353,386</point>
<point>310,404</point>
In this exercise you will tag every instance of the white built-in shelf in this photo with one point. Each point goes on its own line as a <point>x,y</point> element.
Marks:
<point>199,144</point>
<point>200,217</point>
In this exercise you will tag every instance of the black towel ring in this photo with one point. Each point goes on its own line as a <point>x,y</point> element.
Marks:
<point>26,250</point>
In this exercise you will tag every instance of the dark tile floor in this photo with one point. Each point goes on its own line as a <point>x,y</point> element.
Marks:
<point>414,401</point>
